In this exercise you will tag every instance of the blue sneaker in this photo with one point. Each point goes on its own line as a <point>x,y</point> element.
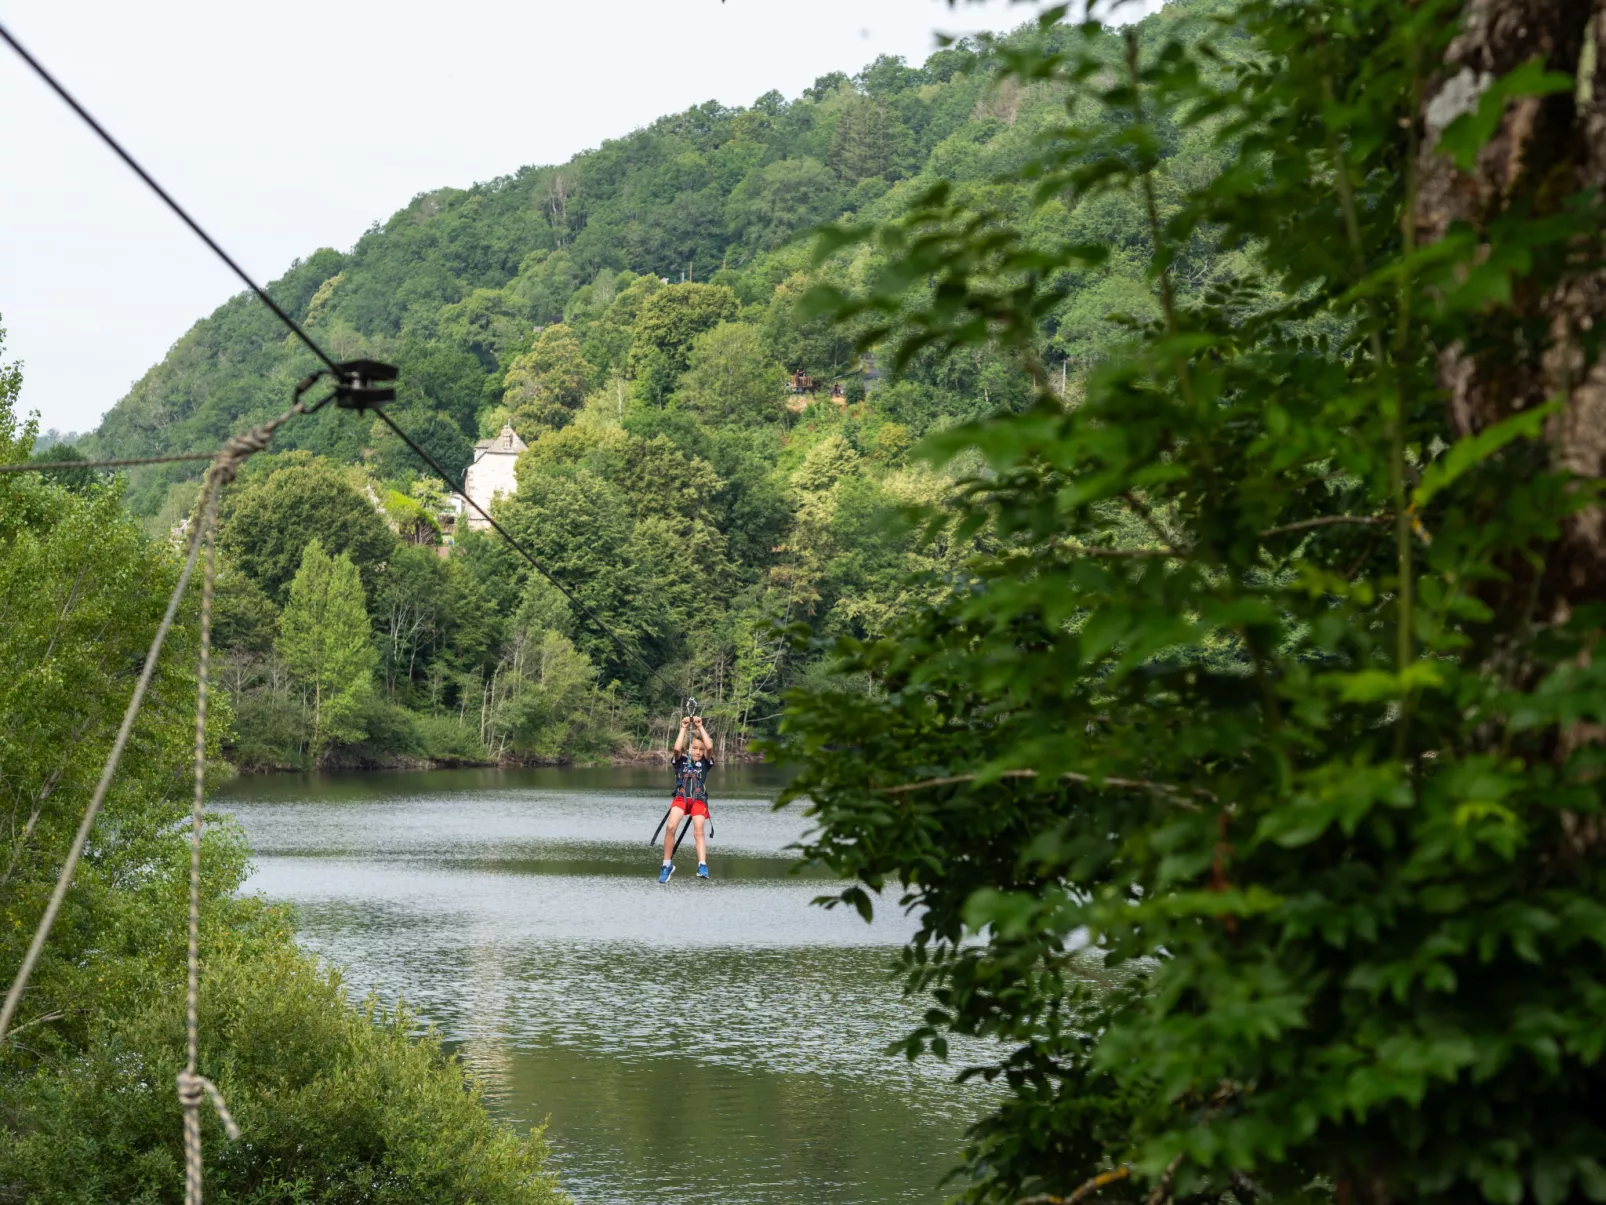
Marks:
<point>702,870</point>
<point>663,875</point>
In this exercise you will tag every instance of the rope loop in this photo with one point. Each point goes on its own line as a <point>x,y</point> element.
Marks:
<point>192,1088</point>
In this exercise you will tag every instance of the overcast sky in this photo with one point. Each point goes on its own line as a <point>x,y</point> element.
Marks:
<point>293,126</point>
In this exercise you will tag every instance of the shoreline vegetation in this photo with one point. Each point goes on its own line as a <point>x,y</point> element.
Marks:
<point>337,1098</point>
<point>404,762</point>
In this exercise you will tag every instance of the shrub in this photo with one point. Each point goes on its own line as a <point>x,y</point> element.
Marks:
<point>443,738</point>
<point>336,1104</point>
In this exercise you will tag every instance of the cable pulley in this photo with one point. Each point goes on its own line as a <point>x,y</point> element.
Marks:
<point>364,384</point>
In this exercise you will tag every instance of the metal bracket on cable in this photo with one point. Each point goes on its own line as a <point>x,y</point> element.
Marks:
<point>364,384</point>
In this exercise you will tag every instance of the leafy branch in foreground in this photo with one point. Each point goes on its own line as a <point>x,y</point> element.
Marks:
<point>1372,963</point>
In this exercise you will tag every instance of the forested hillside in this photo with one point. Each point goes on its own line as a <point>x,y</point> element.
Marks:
<point>634,313</point>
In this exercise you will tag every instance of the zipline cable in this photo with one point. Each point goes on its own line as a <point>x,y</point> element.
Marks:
<point>355,387</point>
<point>134,165</point>
<point>342,372</point>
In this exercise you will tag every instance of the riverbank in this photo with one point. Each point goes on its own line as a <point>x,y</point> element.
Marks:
<point>345,761</point>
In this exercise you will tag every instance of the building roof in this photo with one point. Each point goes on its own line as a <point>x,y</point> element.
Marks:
<point>507,440</point>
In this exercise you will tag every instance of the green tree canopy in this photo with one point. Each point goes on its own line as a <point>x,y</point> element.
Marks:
<point>546,384</point>
<point>433,430</point>
<point>863,143</point>
<point>269,519</point>
<point>1239,787</point>
<point>805,342</point>
<point>668,322</point>
<point>784,200</point>
<point>444,379</point>
<point>730,376</point>
<point>325,643</point>
<point>608,342</point>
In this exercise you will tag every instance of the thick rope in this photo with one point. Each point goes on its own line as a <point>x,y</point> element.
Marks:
<point>191,1088</point>
<point>191,1084</point>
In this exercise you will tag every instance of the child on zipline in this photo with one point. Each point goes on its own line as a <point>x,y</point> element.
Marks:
<point>691,793</point>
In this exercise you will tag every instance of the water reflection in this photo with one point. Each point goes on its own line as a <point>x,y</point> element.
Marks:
<point>717,1041</point>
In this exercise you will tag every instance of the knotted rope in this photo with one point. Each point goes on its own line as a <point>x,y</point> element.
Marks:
<point>191,1088</point>
<point>192,1085</point>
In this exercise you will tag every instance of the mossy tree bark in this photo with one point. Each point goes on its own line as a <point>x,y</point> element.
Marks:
<point>1545,150</point>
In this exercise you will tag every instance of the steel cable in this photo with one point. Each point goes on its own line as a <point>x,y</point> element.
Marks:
<point>290,323</point>
<point>150,181</point>
<point>192,1086</point>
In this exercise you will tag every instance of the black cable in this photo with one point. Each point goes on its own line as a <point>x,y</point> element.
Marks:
<point>295,329</point>
<point>459,489</point>
<point>39,70</point>
<point>63,466</point>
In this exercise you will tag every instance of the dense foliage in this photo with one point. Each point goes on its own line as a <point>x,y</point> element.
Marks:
<point>635,315</point>
<point>1233,729</point>
<point>1249,791</point>
<point>337,1104</point>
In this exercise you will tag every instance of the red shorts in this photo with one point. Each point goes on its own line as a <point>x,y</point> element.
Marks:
<point>694,807</point>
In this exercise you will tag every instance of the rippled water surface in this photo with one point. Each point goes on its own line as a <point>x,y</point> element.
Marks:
<point>717,1042</point>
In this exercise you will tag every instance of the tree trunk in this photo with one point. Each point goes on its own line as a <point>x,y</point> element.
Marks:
<point>1545,151</point>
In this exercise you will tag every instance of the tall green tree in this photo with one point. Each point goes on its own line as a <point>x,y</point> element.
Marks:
<point>270,518</point>
<point>668,322</point>
<point>545,385</point>
<point>1249,793</point>
<point>325,643</point>
<point>730,377</point>
<point>609,340</point>
<point>862,145</point>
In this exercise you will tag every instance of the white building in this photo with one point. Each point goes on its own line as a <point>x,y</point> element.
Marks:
<point>492,473</point>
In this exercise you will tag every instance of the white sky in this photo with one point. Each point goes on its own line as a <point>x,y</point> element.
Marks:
<point>290,126</point>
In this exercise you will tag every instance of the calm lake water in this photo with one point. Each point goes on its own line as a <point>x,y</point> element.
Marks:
<point>711,1042</point>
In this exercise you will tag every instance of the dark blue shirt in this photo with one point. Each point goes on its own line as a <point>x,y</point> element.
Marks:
<point>691,776</point>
